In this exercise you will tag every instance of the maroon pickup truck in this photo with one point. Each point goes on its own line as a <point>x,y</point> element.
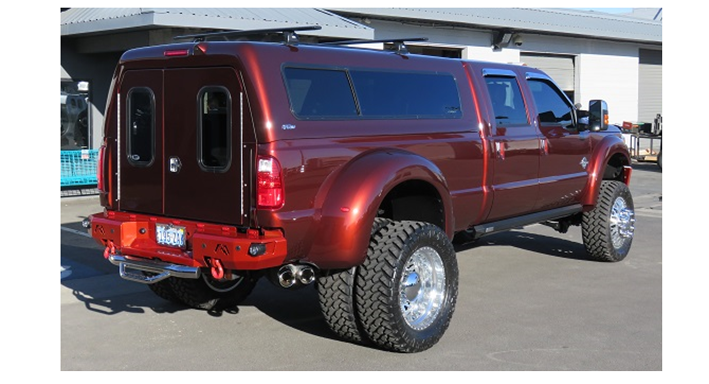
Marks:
<point>353,169</point>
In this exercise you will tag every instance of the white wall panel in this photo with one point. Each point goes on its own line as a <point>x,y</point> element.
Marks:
<point>613,79</point>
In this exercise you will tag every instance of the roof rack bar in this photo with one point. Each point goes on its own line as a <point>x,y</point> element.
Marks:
<point>289,33</point>
<point>399,44</point>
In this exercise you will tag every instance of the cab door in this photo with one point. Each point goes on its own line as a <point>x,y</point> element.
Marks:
<point>515,141</point>
<point>565,151</point>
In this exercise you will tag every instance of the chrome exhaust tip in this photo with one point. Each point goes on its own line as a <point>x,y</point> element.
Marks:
<point>287,276</point>
<point>305,275</point>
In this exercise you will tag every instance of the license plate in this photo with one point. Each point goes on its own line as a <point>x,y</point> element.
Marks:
<point>170,235</point>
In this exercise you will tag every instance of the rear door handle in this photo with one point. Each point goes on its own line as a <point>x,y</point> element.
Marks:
<point>175,164</point>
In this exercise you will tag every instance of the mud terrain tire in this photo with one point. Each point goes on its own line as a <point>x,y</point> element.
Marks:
<point>336,293</point>
<point>206,293</point>
<point>407,287</point>
<point>608,229</point>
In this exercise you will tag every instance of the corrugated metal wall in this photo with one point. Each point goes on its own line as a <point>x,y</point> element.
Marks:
<point>560,68</point>
<point>650,85</point>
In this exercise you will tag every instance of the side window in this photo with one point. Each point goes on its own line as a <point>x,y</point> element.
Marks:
<point>551,105</point>
<point>406,95</point>
<point>141,127</point>
<point>319,93</point>
<point>215,129</point>
<point>507,101</point>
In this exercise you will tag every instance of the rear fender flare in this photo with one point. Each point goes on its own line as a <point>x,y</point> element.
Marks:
<point>349,199</point>
<point>609,147</point>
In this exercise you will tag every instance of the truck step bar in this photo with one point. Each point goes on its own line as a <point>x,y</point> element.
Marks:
<point>131,269</point>
<point>521,221</point>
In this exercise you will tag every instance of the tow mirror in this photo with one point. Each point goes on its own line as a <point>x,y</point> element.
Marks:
<point>597,115</point>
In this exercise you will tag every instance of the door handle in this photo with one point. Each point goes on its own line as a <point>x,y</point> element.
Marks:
<point>175,164</point>
<point>500,149</point>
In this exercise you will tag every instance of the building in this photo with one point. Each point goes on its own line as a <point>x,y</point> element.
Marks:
<point>589,54</point>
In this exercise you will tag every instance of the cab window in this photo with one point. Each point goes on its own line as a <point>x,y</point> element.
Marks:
<point>551,105</point>
<point>507,102</point>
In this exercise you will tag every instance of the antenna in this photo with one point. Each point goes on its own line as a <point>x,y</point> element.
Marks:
<point>399,44</point>
<point>289,34</point>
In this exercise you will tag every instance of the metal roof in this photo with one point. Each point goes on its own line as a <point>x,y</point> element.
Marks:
<point>83,21</point>
<point>538,20</point>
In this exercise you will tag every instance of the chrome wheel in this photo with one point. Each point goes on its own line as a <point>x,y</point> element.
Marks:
<point>622,223</point>
<point>422,288</point>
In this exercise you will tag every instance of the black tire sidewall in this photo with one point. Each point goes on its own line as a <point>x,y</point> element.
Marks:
<point>427,337</point>
<point>602,249</point>
<point>381,313</point>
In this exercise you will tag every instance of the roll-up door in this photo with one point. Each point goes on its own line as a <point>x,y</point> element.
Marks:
<point>559,68</point>
<point>649,85</point>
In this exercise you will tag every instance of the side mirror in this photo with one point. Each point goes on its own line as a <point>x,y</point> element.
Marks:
<point>597,115</point>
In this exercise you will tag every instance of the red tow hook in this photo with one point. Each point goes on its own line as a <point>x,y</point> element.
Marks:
<point>217,268</point>
<point>110,250</point>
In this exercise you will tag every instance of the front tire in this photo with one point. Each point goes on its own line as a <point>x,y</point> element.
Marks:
<point>407,287</point>
<point>609,228</point>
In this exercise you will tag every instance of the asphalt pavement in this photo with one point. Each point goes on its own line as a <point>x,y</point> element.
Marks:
<point>529,300</point>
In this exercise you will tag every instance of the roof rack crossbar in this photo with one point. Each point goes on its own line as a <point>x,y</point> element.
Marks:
<point>399,44</point>
<point>289,34</point>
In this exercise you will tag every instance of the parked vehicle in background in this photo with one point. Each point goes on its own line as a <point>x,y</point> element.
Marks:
<point>227,161</point>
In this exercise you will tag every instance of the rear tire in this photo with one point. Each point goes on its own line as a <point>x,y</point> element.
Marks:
<point>407,286</point>
<point>163,289</point>
<point>336,293</point>
<point>207,293</point>
<point>608,229</point>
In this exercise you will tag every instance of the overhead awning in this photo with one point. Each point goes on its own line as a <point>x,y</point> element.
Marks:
<point>77,22</point>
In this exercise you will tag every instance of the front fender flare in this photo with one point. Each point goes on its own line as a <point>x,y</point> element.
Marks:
<point>609,147</point>
<point>349,199</point>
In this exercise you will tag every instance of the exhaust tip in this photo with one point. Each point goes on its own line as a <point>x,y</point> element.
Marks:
<point>286,276</point>
<point>306,275</point>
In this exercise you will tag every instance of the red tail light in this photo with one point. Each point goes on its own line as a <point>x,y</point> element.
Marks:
<point>100,183</point>
<point>269,190</point>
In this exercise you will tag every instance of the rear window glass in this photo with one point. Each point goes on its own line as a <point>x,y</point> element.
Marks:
<point>215,129</point>
<point>320,93</point>
<point>403,95</point>
<point>141,126</point>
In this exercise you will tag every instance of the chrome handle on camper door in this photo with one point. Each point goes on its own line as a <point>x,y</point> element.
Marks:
<point>175,164</point>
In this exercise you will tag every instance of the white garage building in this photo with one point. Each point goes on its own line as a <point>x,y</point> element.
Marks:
<point>589,54</point>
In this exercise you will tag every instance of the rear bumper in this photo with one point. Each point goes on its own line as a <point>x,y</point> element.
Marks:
<point>134,236</point>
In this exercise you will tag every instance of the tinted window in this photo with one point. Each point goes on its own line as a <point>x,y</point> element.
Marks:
<point>319,93</point>
<point>551,105</point>
<point>507,101</point>
<point>215,129</point>
<point>406,95</point>
<point>141,126</point>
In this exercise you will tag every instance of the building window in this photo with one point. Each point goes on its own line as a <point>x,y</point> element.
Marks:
<point>141,127</point>
<point>75,119</point>
<point>215,129</point>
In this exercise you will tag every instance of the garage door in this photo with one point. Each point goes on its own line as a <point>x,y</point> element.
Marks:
<point>560,68</point>
<point>650,85</point>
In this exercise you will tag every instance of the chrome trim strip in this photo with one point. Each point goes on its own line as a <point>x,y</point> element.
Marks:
<point>118,147</point>
<point>498,72</point>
